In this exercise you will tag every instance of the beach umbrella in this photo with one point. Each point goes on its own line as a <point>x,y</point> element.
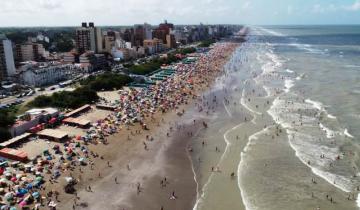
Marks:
<point>29,186</point>
<point>14,208</point>
<point>68,179</point>
<point>52,204</point>
<point>22,203</point>
<point>36,194</point>
<point>8,196</point>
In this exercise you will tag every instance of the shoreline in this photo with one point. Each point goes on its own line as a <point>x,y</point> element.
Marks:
<point>132,153</point>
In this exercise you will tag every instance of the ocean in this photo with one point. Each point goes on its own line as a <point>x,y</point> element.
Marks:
<point>285,120</point>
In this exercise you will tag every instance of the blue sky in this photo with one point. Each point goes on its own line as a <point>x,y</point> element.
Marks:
<point>128,12</point>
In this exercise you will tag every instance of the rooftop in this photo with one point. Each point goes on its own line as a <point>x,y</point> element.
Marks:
<point>53,133</point>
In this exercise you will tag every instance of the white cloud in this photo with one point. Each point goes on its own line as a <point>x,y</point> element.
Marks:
<point>354,7</point>
<point>113,12</point>
<point>317,8</point>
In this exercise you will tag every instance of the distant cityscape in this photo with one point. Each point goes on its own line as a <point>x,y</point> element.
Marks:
<point>36,62</point>
<point>41,60</point>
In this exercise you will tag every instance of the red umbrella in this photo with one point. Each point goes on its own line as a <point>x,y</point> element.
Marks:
<point>33,129</point>
<point>52,120</point>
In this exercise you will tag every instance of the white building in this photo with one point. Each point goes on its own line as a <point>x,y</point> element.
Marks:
<point>44,74</point>
<point>120,43</point>
<point>32,118</point>
<point>7,64</point>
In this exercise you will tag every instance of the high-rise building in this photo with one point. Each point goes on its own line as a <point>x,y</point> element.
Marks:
<point>170,41</point>
<point>99,40</point>
<point>7,65</point>
<point>148,32</point>
<point>30,52</point>
<point>88,38</point>
<point>163,30</point>
<point>153,45</point>
<point>139,35</point>
<point>109,43</point>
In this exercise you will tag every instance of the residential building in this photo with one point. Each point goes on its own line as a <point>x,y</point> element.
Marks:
<point>109,42</point>
<point>96,61</point>
<point>120,43</point>
<point>88,38</point>
<point>7,65</point>
<point>69,58</point>
<point>30,52</point>
<point>117,53</point>
<point>153,46</point>
<point>127,53</point>
<point>148,31</point>
<point>163,30</point>
<point>99,40</point>
<point>170,41</point>
<point>40,74</point>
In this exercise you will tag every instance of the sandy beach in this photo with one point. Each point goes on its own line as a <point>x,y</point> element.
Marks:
<point>130,167</point>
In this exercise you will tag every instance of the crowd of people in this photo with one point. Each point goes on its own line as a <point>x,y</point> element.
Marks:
<point>24,186</point>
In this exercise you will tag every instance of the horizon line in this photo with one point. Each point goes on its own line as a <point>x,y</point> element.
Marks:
<point>233,24</point>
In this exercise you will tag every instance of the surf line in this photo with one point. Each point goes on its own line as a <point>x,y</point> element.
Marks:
<point>242,155</point>
<point>192,166</point>
<point>228,144</point>
<point>227,109</point>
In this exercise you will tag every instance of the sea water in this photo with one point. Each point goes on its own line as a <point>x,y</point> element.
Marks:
<point>291,130</point>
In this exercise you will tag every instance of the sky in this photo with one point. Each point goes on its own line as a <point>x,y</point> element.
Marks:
<point>129,12</point>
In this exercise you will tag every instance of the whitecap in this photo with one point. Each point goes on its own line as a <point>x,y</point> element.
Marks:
<point>329,133</point>
<point>316,104</point>
<point>331,116</point>
<point>346,133</point>
<point>288,85</point>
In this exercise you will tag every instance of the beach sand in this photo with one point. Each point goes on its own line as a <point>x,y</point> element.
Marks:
<point>125,163</point>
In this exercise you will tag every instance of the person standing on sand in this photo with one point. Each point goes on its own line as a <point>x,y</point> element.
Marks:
<point>173,196</point>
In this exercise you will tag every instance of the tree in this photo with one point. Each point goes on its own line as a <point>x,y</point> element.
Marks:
<point>7,118</point>
<point>4,134</point>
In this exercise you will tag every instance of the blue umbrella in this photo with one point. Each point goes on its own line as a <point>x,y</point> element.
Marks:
<point>36,194</point>
<point>4,207</point>
<point>29,186</point>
